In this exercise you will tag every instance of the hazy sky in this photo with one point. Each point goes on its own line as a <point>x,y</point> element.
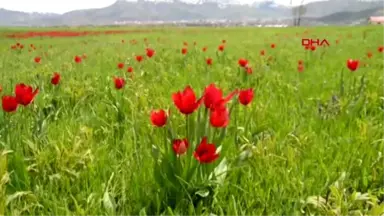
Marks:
<point>62,6</point>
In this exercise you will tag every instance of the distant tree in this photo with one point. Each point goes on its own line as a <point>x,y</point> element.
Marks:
<point>298,12</point>
<point>301,11</point>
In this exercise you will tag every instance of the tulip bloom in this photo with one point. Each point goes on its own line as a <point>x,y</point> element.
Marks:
<point>55,78</point>
<point>150,52</point>
<point>120,65</point>
<point>219,117</point>
<point>246,96</point>
<point>243,62</point>
<point>119,82</point>
<point>186,101</point>
<point>77,59</point>
<point>248,70</point>
<point>213,96</point>
<point>205,152</point>
<point>37,59</point>
<point>352,64</point>
<point>221,48</point>
<point>25,94</point>
<point>180,146</point>
<point>300,68</point>
<point>184,51</point>
<point>130,69</point>
<point>209,61</point>
<point>159,118</point>
<point>139,58</point>
<point>9,103</point>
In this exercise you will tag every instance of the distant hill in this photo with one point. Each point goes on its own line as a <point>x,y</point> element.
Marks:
<point>348,17</point>
<point>328,12</point>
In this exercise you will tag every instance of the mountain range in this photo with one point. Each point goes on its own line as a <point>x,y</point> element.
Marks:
<point>327,12</point>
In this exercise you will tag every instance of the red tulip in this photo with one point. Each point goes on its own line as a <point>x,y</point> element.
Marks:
<point>369,54</point>
<point>78,59</point>
<point>380,49</point>
<point>273,46</point>
<point>300,68</point>
<point>37,59</point>
<point>246,96</point>
<point>186,101</point>
<point>130,69</point>
<point>184,51</point>
<point>119,82</point>
<point>159,118</point>
<point>55,78</point>
<point>219,117</point>
<point>352,64</point>
<point>139,58</point>
<point>180,146</point>
<point>223,41</point>
<point>150,52</point>
<point>249,70</point>
<point>221,48</point>
<point>300,62</point>
<point>209,61</point>
<point>205,153</point>
<point>9,103</point>
<point>120,65</point>
<point>1,88</point>
<point>243,62</point>
<point>213,96</point>
<point>262,52</point>
<point>25,94</point>
<point>205,49</point>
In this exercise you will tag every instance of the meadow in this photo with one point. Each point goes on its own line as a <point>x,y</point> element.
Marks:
<point>208,121</point>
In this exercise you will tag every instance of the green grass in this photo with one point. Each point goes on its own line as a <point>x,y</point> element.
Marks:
<point>83,145</point>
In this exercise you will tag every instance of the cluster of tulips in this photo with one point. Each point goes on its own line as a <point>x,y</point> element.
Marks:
<point>24,95</point>
<point>187,160</point>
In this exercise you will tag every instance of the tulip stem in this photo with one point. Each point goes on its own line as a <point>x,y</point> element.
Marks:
<point>186,126</point>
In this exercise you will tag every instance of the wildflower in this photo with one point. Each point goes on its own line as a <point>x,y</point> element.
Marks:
<point>159,118</point>
<point>186,101</point>
<point>246,96</point>
<point>119,82</point>
<point>180,146</point>
<point>205,152</point>
<point>352,64</point>
<point>55,78</point>
<point>25,94</point>
<point>9,103</point>
<point>243,62</point>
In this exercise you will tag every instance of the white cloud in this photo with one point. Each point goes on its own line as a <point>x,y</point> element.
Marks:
<point>62,6</point>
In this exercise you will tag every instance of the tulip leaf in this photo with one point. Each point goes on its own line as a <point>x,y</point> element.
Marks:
<point>202,192</point>
<point>109,203</point>
<point>142,212</point>
<point>221,171</point>
<point>155,152</point>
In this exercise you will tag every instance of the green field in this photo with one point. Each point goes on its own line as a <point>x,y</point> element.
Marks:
<point>310,142</point>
